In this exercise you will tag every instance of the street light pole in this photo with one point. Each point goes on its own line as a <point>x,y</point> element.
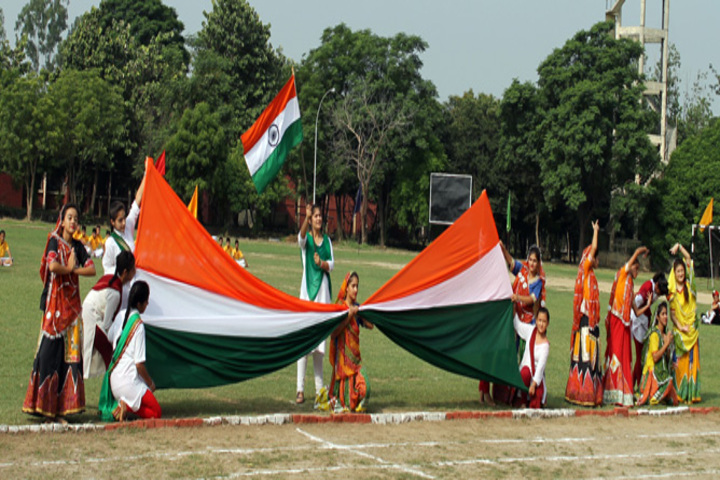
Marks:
<point>316,125</point>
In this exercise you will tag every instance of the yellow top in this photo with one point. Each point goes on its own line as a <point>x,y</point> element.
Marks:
<point>4,249</point>
<point>684,311</point>
<point>237,254</point>
<point>78,235</point>
<point>96,241</point>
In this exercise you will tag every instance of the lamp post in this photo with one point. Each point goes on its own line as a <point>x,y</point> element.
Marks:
<point>317,117</point>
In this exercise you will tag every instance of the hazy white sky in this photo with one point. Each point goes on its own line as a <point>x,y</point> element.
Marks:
<point>478,44</point>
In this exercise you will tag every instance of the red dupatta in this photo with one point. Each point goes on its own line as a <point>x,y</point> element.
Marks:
<point>345,347</point>
<point>63,304</point>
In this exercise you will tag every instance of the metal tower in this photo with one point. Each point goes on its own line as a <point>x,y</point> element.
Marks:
<point>655,91</point>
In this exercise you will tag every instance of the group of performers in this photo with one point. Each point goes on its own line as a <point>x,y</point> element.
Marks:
<point>667,358</point>
<point>349,389</point>
<point>79,340</point>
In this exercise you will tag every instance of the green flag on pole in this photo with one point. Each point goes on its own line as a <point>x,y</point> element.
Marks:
<point>507,226</point>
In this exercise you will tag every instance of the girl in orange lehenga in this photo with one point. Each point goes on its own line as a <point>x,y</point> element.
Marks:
<point>618,381</point>
<point>348,388</point>
<point>584,386</point>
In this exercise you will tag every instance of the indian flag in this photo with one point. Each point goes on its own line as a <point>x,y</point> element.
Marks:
<point>267,143</point>
<point>211,322</point>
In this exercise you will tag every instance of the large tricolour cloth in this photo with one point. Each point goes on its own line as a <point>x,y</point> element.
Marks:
<point>277,130</point>
<point>210,322</point>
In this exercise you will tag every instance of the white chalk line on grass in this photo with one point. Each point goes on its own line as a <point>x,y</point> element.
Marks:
<point>659,475</point>
<point>349,448</point>
<point>567,458</point>
<point>362,446</point>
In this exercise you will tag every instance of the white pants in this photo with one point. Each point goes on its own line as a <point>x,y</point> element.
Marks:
<point>317,368</point>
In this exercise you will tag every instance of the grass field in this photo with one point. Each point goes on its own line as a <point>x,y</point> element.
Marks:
<point>399,381</point>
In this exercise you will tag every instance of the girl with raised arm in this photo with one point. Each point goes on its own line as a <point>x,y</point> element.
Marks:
<point>584,386</point>
<point>317,258</point>
<point>683,305</point>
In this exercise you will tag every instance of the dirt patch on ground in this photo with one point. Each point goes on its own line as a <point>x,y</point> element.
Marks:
<point>585,447</point>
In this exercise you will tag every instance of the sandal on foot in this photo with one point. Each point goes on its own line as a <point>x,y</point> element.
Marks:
<point>300,398</point>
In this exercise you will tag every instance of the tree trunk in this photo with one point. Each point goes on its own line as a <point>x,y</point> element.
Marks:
<point>583,217</point>
<point>363,214</point>
<point>30,196</point>
<point>340,217</point>
<point>537,228</point>
<point>381,218</point>
<point>94,193</point>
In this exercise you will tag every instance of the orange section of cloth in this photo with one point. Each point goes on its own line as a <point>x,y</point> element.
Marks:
<point>467,240</point>
<point>173,244</point>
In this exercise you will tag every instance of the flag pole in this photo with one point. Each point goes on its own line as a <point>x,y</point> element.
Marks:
<point>317,117</point>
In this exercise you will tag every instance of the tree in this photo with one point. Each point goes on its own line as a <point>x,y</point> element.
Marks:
<point>378,90</point>
<point>42,22</point>
<point>473,129</point>
<point>691,178</point>
<point>147,19</point>
<point>89,111</point>
<point>28,132</point>
<point>594,128</point>
<point>239,44</point>
<point>518,162</point>
<point>364,123</point>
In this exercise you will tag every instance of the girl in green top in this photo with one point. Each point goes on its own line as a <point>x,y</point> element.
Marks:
<point>317,258</point>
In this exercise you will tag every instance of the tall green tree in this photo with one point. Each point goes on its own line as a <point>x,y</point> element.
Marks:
<point>89,111</point>
<point>29,132</point>
<point>42,22</point>
<point>519,153</point>
<point>147,19</point>
<point>239,46</point>
<point>374,115</point>
<point>594,128</point>
<point>691,179</point>
<point>473,133</point>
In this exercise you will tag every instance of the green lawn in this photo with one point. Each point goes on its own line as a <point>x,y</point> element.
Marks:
<point>399,381</point>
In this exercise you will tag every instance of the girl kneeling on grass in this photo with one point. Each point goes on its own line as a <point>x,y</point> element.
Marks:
<point>348,388</point>
<point>656,384</point>
<point>127,385</point>
<point>537,350</point>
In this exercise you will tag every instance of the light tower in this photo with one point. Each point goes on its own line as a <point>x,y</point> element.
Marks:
<point>655,91</point>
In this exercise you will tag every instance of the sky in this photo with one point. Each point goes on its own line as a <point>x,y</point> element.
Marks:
<point>472,44</point>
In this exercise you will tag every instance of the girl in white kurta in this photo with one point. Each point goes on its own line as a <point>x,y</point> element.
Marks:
<point>127,386</point>
<point>318,261</point>
<point>100,308</point>
<point>537,350</point>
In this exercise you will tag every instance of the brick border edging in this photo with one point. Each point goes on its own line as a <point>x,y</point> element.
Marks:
<point>372,418</point>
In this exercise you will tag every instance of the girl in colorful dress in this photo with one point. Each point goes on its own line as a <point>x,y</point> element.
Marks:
<point>56,387</point>
<point>528,295</point>
<point>657,384</point>
<point>649,293</point>
<point>682,296</point>
<point>127,385</point>
<point>317,258</point>
<point>100,308</point>
<point>618,381</point>
<point>349,390</point>
<point>584,386</point>
<point>535,355</point>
